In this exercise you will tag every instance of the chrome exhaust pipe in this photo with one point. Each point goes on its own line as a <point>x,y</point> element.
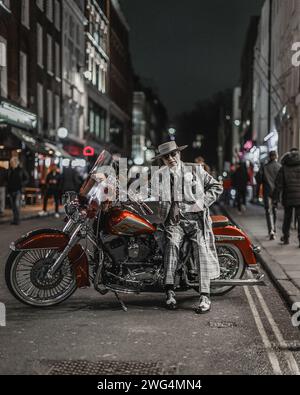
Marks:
<point>247,282</point>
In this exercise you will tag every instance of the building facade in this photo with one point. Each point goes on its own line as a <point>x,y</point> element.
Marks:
<point>261,78</point>
<point>120,80</point>
<point>47,28</point>
<point>247,66</point>
<point>18,105</point>
<point>285,109</point>
<point>97,68</point>
<point>74,97</point>
<point>149,123</point>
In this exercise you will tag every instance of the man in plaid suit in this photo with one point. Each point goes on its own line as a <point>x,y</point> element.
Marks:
<point>185,213</point>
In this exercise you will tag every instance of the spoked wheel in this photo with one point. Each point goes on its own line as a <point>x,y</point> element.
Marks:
<point>232,266</point>
<point>26,278</point>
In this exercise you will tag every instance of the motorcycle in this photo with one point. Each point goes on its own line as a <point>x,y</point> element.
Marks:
<point>116,248</point>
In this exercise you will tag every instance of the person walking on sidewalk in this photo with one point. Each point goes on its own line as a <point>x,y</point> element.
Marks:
<point>17,179</point>
<point>53,187</point>
<point>287,185</point>
<point>266,177</point>
<point>70,180</point>
<point>240,179</point>
<point>3,184</point>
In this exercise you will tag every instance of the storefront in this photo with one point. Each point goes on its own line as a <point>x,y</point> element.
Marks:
<point>16,127</point>
<point>18,138</point>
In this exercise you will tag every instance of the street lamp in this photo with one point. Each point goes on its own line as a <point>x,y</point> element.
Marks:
<point>62,133</point>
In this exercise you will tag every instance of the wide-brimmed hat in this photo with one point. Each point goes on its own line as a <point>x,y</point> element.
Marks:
<point>167,148</point>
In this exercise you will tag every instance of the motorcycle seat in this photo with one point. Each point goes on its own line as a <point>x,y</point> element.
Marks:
<point>219,221</point>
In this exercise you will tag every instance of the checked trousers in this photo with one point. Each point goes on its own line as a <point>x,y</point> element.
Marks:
<point>190,226</point>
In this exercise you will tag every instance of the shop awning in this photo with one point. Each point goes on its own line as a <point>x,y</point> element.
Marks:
<point>57,151</point>
<point>17,116</point>
<point>31,142</point>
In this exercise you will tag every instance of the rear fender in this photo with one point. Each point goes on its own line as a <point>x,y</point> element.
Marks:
<point>233,235</point>
<point>56,239</point>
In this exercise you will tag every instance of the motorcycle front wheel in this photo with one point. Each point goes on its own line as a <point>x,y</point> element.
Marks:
<point>26,278</point>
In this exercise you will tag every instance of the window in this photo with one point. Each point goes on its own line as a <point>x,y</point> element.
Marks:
<point>49,54</point>
<point>25,13</point>
<point>40,56</point>
<point>40,105</point>
<point>71,26</point>
<point>57,14</point>
<point>50,108</point>
<point>3,67</point>
<point>57,111</point>
<point>49,10</point>
<point>40,4</point>
<point>91,121</point>
<point>57,60</point>
<point>23,79</point>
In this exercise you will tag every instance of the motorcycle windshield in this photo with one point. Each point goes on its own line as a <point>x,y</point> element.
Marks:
<point>104,159</point>
<point>100,184</point>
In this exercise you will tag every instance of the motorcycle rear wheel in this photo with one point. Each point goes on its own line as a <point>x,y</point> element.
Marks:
<point>26,280</point>
<point>232,266</point>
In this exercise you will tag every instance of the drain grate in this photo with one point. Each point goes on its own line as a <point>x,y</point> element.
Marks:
<point>222,324</point>
<point>107,368</point>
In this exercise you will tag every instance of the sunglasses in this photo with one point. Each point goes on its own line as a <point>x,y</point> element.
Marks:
<point>171,155</point>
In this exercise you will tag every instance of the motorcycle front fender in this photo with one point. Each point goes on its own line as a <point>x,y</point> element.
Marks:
<point>56,240</point>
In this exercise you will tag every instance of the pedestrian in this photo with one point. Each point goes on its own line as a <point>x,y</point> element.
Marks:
<point>287,186</point>
<point>3,185</point>
<point>266,177</point>
<point>201,161</point>
<point>188,219</point>
<point>240,179</point>
<point>53,189</point>
<point>17,178</point>
<point>70,180</point>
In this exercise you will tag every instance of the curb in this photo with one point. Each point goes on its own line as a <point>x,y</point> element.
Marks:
<point>287,289</point>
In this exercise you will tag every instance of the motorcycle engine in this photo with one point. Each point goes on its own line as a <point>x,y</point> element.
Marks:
<point>134,250</point>
<point>136,258</point>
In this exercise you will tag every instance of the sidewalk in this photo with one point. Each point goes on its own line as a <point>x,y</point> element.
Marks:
<point>27,212</point>
<point>282,263</point>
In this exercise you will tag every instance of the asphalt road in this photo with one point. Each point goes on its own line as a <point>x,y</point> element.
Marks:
<point>248,331</point>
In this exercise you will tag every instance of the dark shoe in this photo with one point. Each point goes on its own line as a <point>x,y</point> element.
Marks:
<point>204,305</point>
<point>171,303</point>
<point>272,236</point>
<point>285,240</point>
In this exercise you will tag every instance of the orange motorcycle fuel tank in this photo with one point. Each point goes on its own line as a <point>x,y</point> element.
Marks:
<point>125,223</point>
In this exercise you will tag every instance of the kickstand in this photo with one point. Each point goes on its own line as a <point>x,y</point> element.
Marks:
<point>124,308</point>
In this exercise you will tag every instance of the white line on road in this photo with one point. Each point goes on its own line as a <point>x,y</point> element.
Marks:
<point>271,354</point>
<point>294,368</point>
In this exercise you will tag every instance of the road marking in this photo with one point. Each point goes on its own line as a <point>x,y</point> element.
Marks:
<point>292,363</point>
<point>271,354</point>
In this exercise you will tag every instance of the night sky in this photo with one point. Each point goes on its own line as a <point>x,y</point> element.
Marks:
<point>188,49</point>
